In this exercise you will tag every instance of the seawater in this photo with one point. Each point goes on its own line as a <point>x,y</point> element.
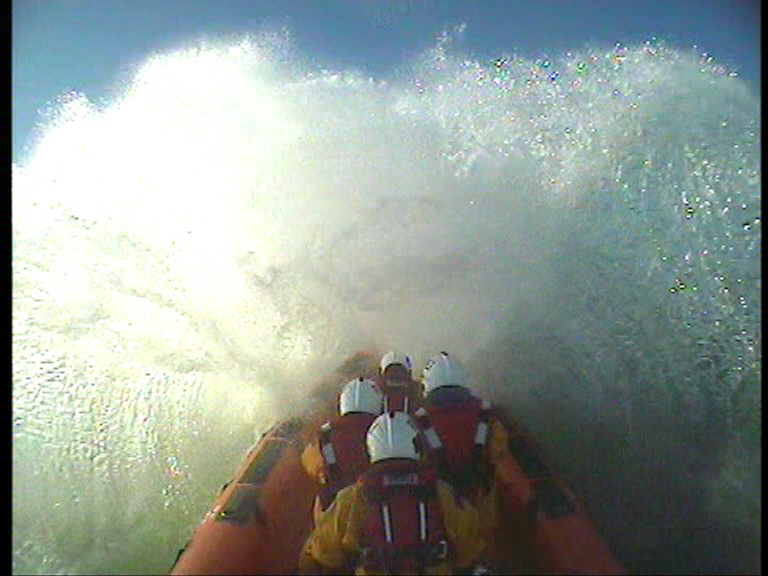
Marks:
<point>192,253</point>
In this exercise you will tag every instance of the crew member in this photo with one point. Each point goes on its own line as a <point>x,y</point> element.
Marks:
<point>338,455</point>
<point>469,445</point>
<point>401,392</point>
<point>399,518</point>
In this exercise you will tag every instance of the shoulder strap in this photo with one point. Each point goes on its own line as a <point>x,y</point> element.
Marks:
<point>326,447</point>
<point>481,435</point>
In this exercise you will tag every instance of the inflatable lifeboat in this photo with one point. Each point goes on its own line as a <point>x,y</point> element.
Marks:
<point>260,520</point>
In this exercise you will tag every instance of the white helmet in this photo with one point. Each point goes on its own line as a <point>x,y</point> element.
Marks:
<point>392,435</point>
<point>393,357</point>
<point>441,370</point>
<point>360,395</point>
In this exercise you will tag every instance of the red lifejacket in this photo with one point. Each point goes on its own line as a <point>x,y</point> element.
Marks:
<point>457,437</point>
<point>342,446</point>
<point>397,398</point>
<point>403,529</point>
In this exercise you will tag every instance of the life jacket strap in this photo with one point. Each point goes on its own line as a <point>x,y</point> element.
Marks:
<point>327,491</point>
<point>326,447</point>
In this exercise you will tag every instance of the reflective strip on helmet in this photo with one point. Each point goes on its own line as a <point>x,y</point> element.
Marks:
<point>357,393</point>
<point>328,454</point>
<point>482,433</point>
<point>405,404</point>
<point>422,520</point>
<point>387,524</point>
<point>433,439</point>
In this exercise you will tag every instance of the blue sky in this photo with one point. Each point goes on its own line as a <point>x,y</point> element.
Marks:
<point>88,45</point>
